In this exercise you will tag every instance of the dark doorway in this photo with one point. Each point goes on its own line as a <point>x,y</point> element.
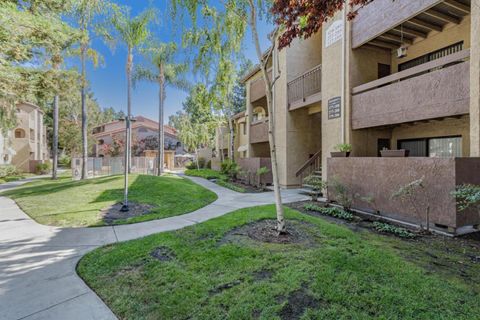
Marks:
<point>383,70</point>
<point>382,144</point>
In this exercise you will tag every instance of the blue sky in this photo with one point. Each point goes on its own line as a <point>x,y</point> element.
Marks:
<point>108,82</point>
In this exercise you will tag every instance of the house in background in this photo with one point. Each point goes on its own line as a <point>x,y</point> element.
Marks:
<point>111,135</point>
<point>26,145</point>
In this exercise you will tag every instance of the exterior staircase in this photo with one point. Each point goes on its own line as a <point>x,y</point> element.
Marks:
<point>313,167</point>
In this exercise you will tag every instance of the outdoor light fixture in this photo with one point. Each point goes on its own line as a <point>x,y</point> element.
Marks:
<point>128,129</point>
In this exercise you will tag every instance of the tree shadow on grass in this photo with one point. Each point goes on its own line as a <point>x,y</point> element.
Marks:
<point>62,184</point>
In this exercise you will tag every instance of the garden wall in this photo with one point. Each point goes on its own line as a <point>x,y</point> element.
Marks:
<point>379,178</point>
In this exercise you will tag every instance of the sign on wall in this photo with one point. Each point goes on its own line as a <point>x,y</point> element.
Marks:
<point>334,33</point>
<point>334,108</point>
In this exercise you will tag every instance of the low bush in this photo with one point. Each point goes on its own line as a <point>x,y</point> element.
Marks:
<point>231,186</point>
<point>388,228</point>
<point>330,211</point>
<point>8,170</point>
<point>204,173</point>
<point>43,168</point>
<point>191,165</point>
<point>230,169</point>
<point>65,161</point>
<point>209,164</point>
<point>202,163</point>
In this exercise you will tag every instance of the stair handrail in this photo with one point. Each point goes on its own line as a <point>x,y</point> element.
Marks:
<point>308,163</point>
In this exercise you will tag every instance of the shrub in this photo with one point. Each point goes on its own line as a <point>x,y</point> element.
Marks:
<point>209,164</point>
<point>230,169</point>
<point>467,196</point>
<point>191,165</point>
<point>388,228</point>
<point>343,147</point>
<point>342,194</point>
<point>204,173</point>
<point>231,186</point>
<point>43,168</point>
<point>201,163</point>
<point>316,183</point>
<point>65,161</point>
<point>8,170</point>
<point>260,173</point>
<point>330,211</point>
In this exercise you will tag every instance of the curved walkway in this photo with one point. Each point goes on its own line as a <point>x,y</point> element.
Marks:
<point>37,262</point>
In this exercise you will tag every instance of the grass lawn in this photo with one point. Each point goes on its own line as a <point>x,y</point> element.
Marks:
<point>216,271</point>
<point>70,203</point>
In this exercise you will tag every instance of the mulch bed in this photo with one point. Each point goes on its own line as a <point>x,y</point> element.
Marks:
<point>112,213</point>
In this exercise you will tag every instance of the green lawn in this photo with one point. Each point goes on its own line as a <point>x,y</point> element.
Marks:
<point>336,274</point>
<point>70,203</point>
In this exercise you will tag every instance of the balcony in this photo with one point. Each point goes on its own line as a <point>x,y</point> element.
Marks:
<point>387,24</point>
<point>259,132</point>
<point>436,89</point>
<point>305,89</point>
<point>257,88</point>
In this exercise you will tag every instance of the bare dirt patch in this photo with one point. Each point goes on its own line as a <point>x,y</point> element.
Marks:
<point>264,231</point>
<point>163,254</point>
<point>112,213</point>
<point>262,275</point>
<point>297,303</point>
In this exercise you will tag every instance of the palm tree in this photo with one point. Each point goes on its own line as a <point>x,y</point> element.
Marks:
<point>85,11</point>
<point>167,73</point>
<point>133,32</point>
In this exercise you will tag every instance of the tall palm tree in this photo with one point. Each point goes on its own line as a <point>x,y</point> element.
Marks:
<point>85,11</point>
<point>166,73</point>
<point>132,32</point>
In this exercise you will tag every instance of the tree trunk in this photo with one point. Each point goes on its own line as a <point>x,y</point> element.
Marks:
<point>129,110</point>
<point>231,146</point>
<point>161,133</point>
<point>196,157</point>
<point>84,111</point>
<point>281,228</point>
<point>55,138</point>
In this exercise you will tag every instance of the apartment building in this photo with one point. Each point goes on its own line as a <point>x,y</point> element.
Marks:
<point>144,139</point>
<point>26,144</point>
<point>403,74</point>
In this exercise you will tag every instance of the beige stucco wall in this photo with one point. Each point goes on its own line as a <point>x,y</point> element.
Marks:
<point>303,55</point>
<point>451,34</point>
<point>475,81</point>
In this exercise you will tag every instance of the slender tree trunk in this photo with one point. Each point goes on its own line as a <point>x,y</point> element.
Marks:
<point>161,132</point>
<point>232,137</point>
<point>281,228</point>
<point>55,138</point>
<point>129,110</point>
<point>83,50</point>
<point>196,157</point>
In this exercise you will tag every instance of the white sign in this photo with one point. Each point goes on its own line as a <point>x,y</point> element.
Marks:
<point>334,33</point>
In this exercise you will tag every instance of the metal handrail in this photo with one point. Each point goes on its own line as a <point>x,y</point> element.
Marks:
<point>307,84</point>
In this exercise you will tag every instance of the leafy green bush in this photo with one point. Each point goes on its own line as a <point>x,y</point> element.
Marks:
<point>316,183</point>
<point>65,161</point>
<point>8,170</point>
<point>467,196</point>
<point>204,173</point>
<point>209,164</point>
<point>43,168</point>
<point>388,228</point>
<point>342,194</point>
<point>231,186</point>
<point>191,165</point>
<point>330,211</point>
<point>230,169</point>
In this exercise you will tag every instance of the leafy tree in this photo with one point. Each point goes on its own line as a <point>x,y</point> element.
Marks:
<point>167,73</point>
<point>133,32</point>
<point>233,17</point>
<point>302,19</point>
<point>194,135</point>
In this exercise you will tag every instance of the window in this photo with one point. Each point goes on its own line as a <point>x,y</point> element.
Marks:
<point>19,133</point>
<point>457,47</point>
<point>444,147</point>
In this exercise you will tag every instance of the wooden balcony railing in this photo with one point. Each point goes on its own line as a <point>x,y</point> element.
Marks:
<point>259,131</point>
<point>305,85</point>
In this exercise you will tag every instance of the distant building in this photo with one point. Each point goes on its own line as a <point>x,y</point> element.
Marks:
<point>26,144</point>
<point>110,138</point>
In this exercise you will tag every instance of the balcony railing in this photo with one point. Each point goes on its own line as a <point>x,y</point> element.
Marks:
<point>306,85</point>
<point>259,132</point>
<point>436,89</point>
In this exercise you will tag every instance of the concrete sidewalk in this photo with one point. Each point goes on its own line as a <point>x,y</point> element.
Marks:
<point>37,262</point>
